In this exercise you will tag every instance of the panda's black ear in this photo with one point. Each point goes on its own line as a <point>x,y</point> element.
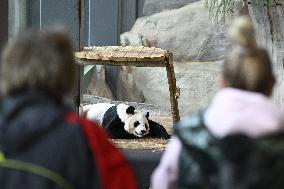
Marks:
<point>130,110</point>
<point>147,115</point>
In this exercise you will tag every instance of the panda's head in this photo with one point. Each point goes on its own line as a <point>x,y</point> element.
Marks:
<point>135,122</point>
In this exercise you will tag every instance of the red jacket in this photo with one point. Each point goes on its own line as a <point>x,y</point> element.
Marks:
<point>113,167</point>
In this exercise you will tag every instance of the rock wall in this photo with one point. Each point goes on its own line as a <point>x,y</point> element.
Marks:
<point>198,82</point>
<point>98,85</point>
<point>155,6</point>
<point>186,31</point>
<point>191,36</point>
<point>197,44</point>
<point>126,87</point>
<point>269,24</point>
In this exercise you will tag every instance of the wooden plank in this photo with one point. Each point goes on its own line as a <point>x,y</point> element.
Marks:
<point>88,48</point>
<point>111,53</point>
<point>103,52</point>
<point>159,50</point>
<point>95,53</point>
<point>158,54</point>
<point>108,52</point>
<point>145,54</point>
<point>133,53</point>
<point>119,63</point>
<point>83,53</point>
<point>124,54</point>
<point>119,53</point>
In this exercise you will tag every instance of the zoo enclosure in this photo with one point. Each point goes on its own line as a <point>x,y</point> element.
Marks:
<point>134,56</point>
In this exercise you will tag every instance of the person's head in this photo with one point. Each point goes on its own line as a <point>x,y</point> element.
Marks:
<point>38,60</point>
<point>246,66</point>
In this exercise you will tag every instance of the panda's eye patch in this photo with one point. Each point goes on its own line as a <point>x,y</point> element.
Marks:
<point>136,124</point>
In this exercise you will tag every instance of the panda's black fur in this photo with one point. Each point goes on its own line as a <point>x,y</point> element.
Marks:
<point>115,127</point>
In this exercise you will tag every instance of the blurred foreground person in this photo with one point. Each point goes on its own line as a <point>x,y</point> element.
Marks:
<point>44,145</point>
<point>238,141</point>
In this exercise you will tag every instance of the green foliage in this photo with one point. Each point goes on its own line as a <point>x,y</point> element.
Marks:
<point>221,10</point>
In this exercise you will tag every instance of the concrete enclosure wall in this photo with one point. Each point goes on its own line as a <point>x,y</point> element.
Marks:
<point>3,23</point>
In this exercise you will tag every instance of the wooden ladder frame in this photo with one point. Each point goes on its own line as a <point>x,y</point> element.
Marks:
<point>132,56</point>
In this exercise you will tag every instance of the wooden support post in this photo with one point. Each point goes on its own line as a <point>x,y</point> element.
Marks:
<point>174,91</point>
<point>79,97</point>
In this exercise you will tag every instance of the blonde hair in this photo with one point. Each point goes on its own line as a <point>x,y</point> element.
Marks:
<point>40,60</point>
<point>246,66</point>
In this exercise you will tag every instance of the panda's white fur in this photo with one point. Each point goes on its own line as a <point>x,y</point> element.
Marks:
<point>96,112</point>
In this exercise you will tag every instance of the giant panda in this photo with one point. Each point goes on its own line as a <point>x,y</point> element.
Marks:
<point>124,122</point>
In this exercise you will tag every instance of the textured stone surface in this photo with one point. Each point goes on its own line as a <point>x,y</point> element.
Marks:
<point>198,82</point>
<point>269,25</point>
<point>186,31</point>
<point>156,6</point>
<point>98,86</point>
<point>132,39</point>
<point>126,87</point>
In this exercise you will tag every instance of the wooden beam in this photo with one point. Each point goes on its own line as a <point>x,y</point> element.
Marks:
<point>174,91</point>
<point>83,62</point>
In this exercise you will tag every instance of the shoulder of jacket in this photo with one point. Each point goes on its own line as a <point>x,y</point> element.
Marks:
<point>193,132</point>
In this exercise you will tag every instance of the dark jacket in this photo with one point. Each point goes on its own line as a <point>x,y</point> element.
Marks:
<point>38,129</point>
<point>197,156</point>
<point>235,161</point>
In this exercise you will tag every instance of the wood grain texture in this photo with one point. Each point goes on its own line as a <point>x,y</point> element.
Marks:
<point>122,54</point>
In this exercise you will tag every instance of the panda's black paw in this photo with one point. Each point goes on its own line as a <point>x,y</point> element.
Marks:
<point>165,136</point>
<point>158,131</point>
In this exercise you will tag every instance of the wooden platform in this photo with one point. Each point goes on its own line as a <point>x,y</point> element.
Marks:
<point>133,56</point>
<point>162,115</point>
<point>152,144</point>
<point>117,55</point>
<point>148,143</point>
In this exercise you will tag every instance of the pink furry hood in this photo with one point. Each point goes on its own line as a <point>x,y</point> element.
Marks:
<point>237,111</point>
